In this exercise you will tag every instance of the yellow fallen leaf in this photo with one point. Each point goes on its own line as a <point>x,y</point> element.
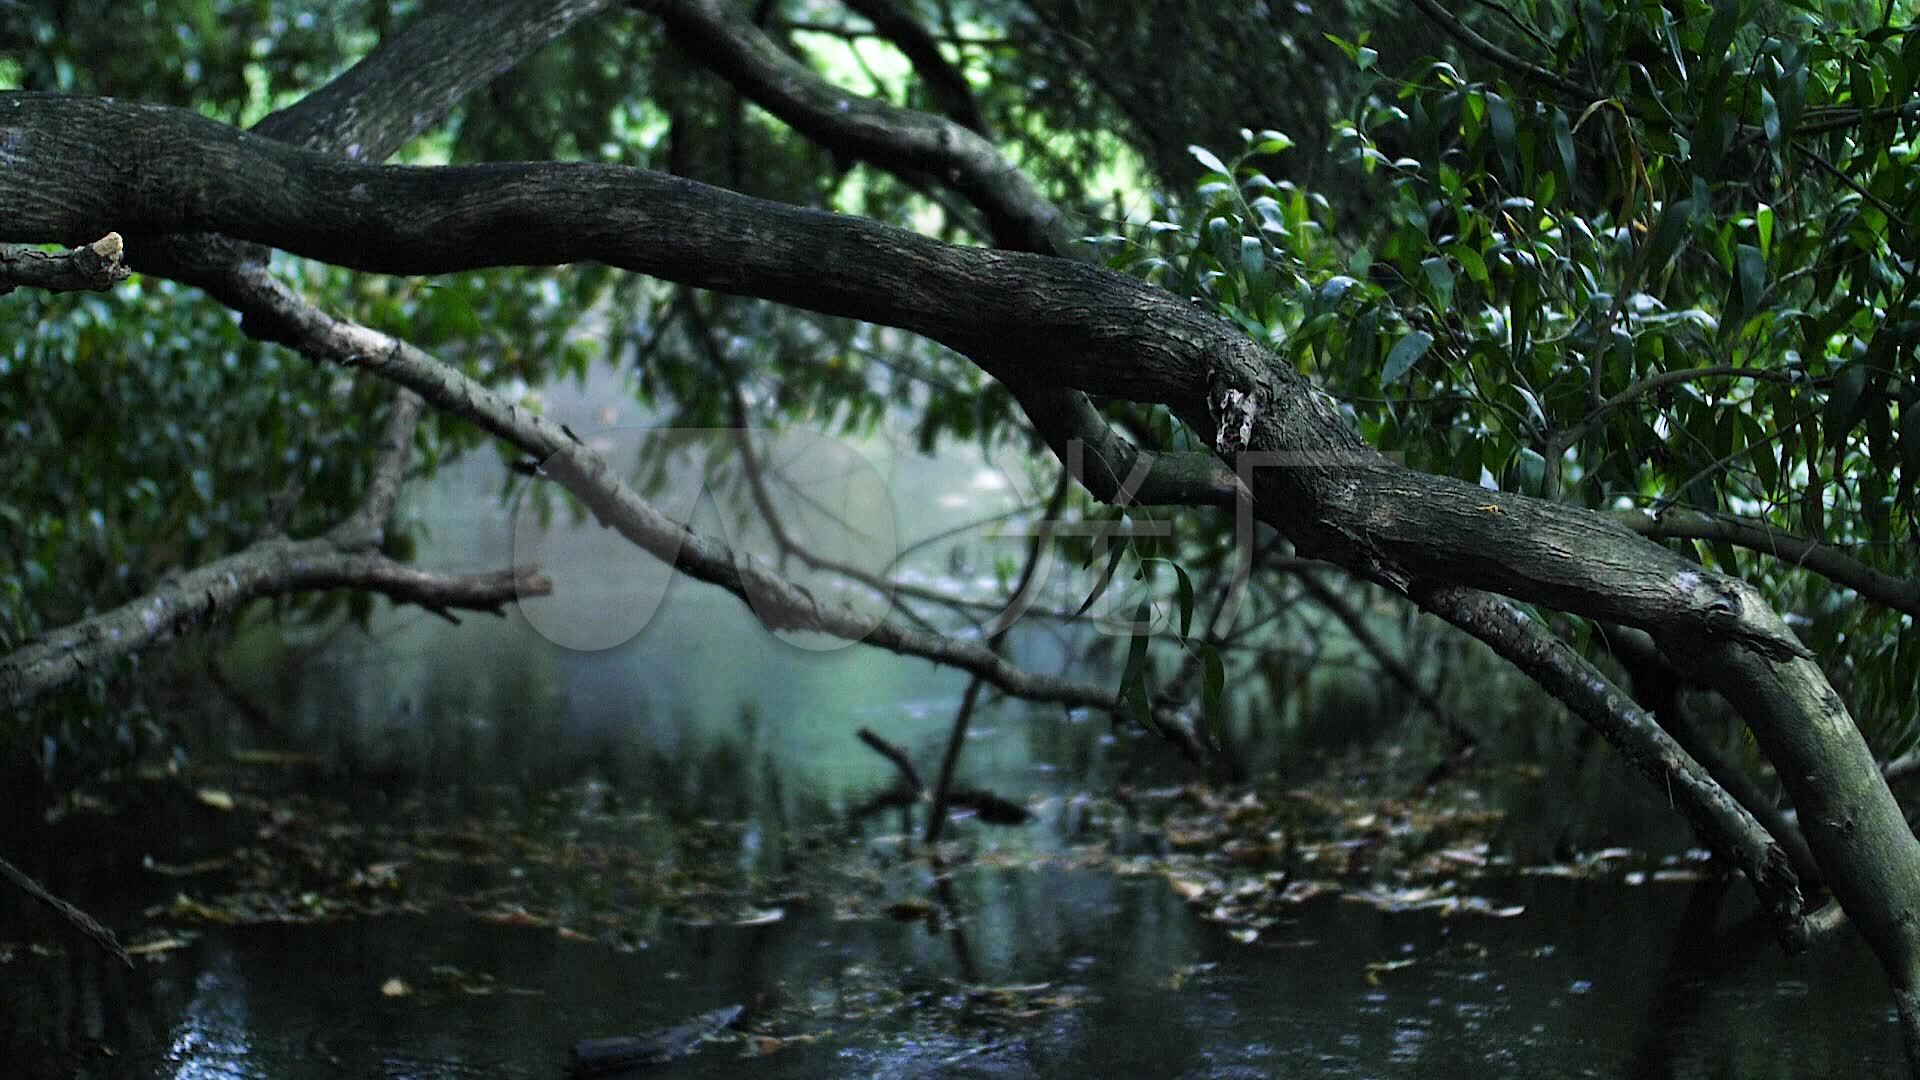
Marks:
<point>215,798</point>
<point>395,988</point>
<point>158,945</point>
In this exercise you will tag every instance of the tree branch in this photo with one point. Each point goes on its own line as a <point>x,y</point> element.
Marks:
<point>366,528</point>
<point>412,80</point>
<point>945,83</point>
<point>94,267</point>
<point>1654,382</point>
<point>1886,590</point>
<point>80,920</point>
<point>273,312</point>
<point>219,589</point>
<point>1727,825</point>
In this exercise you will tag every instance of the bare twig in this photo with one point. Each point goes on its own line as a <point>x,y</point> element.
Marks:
<point>80,920</point>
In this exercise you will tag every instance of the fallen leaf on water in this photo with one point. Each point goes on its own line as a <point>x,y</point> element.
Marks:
<point>158,946</point>
<point>1187,888</point>
<point>1375,970</point>
<point>215,798</point>
<point>395,988</point>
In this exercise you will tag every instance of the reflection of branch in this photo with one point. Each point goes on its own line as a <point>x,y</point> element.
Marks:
<point>81,921</point>
<point>1389,661</point>
<point>989,807</point>
<point>94,267</point>
<point>895,754</point>
<point>1899,594</point>
<point>956,740</point>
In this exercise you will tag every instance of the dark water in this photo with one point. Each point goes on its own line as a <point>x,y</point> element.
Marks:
<point>1588,987</point>
<point>703,716</point>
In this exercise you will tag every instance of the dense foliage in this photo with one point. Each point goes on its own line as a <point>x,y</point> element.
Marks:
<point>1681,276</point>
<point>1625,255</point>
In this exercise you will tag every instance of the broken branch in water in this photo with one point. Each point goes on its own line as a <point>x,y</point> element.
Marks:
<point>593,1057</point>
<point>80,920</point>
<point>987,806</point>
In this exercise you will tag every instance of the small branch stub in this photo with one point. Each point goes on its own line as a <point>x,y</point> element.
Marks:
<point>1233,412</point>
<point>95,267</point>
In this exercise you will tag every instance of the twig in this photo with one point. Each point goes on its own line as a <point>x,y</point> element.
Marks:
<point>896,755</point>
<point>94,267</point>
<point>80,920</point>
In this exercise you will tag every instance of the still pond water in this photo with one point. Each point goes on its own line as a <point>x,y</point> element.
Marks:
<point>1043,964</point>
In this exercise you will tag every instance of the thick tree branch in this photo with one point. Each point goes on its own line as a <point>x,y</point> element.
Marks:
<point>945,83</point>
<point>1657,687</point>
<point>719,35</point>
<point>958,153</point>
<point>412,80</point>
<point>394,93</point>
<point>1727,825</point>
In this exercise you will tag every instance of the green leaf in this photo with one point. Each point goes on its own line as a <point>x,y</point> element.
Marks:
<point>1667,234</point>
<point>1471,262</point>
<point>1140,700</point>
<point>1726,19</point>
<point>1208,160</point>
<point>1500,120</point>
<point>1752,277</point>
<point>1405,353</point>
<point>1770,116</point>
<point>1910,441</point>
<point>1213,686</point>
<point>1185,586</point>
<point>1133,680</point>
<point>1763,221</point>
<point>1272,142</point>
<point>1843,402</point>
<point>1106,579</point>
<point>1440,276</point>
<point>1137,652</point>
<point>1253,256</point>
<point>1563,141</point>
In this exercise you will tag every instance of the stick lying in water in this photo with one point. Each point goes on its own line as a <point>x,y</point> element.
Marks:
<point>594,1056</point>
<point>81,921</point>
